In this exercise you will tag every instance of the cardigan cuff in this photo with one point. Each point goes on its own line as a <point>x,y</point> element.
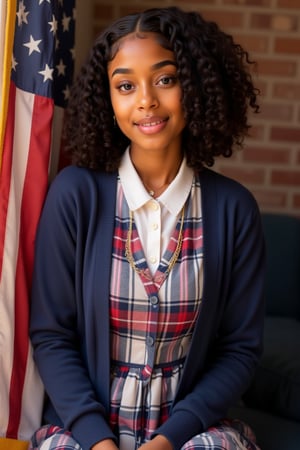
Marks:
<point>90,429</point>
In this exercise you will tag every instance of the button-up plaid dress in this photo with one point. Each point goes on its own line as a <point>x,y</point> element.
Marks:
<point>152,318</point>
<point>152,321</point>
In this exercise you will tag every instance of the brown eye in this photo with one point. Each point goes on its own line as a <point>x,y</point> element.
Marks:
<point>167,80</point>
<point>125,87</point>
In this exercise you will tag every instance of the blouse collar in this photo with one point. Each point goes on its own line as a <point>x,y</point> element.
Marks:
<point>173,198</point>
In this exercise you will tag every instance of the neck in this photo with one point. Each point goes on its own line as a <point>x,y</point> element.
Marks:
<point>157,173</point>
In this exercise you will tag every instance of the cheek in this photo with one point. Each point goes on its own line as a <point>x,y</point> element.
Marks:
<point>174,101</point>
<point>121,106</point>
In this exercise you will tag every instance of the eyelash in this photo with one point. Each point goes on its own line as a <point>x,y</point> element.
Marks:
<point>171,78</point>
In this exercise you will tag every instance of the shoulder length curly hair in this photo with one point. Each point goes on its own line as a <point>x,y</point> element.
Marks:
<point>214,74</point>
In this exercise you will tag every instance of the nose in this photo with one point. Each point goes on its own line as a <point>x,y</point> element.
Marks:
<point>147,98</point>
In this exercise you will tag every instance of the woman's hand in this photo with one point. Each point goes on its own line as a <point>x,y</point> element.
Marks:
<point>106,444</point>
<point>160,442</point>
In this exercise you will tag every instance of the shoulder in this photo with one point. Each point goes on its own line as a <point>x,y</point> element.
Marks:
<point>80,189</point>
<point>74,176</point>
<point>227,204</point>
<point>222,189</point>
<point>75,181</point>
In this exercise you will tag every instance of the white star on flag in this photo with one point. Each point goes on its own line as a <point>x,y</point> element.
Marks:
<point>53,25</point>
<point>33,45</point>
<point>21,14</point>
<point>61,68</point>
<point>72,51</point>
<point>66,22</point>
<point>47,73</point>
<point>13,63</point>
<point>66,92</point>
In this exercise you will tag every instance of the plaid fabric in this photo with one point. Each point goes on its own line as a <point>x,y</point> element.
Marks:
<point>163,308</point>
<point>228,435</point>
<point>152,321</point>
<point>51,437</point>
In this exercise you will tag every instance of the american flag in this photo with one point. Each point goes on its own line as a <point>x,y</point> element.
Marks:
<point>42,65</point>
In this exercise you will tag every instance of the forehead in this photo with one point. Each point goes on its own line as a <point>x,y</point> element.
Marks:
<point>139,48</point>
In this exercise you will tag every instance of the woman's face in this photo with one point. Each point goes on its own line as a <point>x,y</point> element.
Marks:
<point>146,95</point>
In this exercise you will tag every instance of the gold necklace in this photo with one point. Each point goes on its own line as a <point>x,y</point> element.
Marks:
<point>128,252</point>
<point>152,191</point>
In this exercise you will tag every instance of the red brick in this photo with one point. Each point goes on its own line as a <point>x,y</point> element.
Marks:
<point>243,174</point>
<point>258,44</point>
<point>284,22</point>
<point>182,3</point>
<point>296,201</point>
<point>287,45</point>
<point>266,155</point>
<point>276,67</point>
<point>261,21</point>
<point>288,4</point>
<point>277,111</point>
<point>277,22</point>
<point>285,134</point>
<point>226,19</point>
<point>262,86</point>
<point>285,177</point>
<point>270,199</point>
<point>256,132</point>
<point>248,2</point>
<point>287,91</point>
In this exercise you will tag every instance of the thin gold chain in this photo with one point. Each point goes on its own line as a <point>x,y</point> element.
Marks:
<point>175,255</point>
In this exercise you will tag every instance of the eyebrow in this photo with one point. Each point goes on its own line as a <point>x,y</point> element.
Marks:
<point>156,66</point>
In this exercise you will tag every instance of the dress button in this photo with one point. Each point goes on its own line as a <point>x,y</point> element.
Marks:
<point>154,226</point>
<point>149,341</point>
<point>154,300</point>
<point>154,205</point>
<point>153,259</point>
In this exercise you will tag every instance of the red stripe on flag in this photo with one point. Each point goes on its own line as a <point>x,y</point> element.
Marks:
<point>5,174</point>
<point>34,190</point>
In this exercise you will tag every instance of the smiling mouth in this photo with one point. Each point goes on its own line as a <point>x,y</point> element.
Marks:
<point>150,123</point>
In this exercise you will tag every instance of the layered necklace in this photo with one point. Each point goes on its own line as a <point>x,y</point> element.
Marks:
<point>174,257</point>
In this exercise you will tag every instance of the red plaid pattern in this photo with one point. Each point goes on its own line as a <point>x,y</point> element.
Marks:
<point>152,321</point>
<point>228,435</point>
<point>52,437</point>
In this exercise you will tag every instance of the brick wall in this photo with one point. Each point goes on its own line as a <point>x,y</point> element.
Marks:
<point>269,165</point>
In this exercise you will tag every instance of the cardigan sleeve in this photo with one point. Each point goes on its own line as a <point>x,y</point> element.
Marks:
<point>57,314</point>
<point>227,341</point>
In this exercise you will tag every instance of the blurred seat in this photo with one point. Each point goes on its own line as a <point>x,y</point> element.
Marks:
<point>272,403</point>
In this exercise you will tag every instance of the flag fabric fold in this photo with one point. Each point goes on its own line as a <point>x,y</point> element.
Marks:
<point>41,62</point>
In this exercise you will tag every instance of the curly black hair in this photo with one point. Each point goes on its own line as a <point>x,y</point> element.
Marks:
<point>214,74</point>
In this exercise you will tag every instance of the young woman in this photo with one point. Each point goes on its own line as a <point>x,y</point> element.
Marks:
<point>147,299</point>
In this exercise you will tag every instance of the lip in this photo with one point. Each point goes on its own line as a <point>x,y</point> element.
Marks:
<point>151,125</point>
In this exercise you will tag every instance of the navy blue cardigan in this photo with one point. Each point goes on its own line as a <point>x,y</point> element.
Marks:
<point>70,306</point>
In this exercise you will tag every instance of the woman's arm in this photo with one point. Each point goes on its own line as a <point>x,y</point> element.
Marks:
<point>57,311</point>
<point>227,341</point>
